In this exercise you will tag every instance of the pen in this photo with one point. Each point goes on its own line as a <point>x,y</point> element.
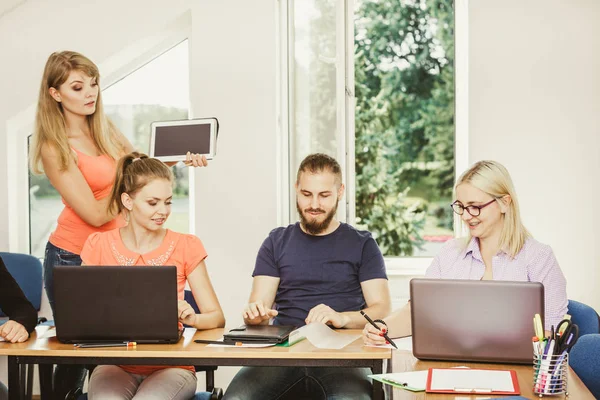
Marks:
<point>218,342</point>
<point>92,345</point>
<point>385,335</point>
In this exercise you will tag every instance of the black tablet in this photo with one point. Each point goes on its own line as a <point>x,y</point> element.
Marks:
<point>171,140</point>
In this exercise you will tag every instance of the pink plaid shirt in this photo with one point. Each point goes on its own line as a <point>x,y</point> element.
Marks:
<point>534,263</point>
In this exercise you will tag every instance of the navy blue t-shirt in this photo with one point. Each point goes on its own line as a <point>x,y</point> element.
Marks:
<point>317,270</point>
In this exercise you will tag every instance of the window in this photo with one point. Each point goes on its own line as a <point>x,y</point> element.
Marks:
<point>397,133</point>
<point>157,91</point>
<point>404,84</point>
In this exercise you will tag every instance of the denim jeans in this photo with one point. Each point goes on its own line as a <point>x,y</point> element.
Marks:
<point>56,256</point>
<point>66,377</point>
<point>271,383</point>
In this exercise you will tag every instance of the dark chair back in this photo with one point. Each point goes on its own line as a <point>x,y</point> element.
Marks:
<point>583,358</point>
<point>585,317</point>
<point>27,271</point>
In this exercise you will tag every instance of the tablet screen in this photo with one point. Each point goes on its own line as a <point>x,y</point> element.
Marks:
<point>179,139</point>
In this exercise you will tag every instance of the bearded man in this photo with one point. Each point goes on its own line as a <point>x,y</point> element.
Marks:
<point>316,270</point>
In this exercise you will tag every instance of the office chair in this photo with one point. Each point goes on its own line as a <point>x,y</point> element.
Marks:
<point>217,393</point>
<point>583,358</point>
<point>27,271</point>
<point>585,317</point>
<point>585,353</point>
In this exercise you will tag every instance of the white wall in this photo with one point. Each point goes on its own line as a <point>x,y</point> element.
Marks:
<point>534,89</point>
<point>233,78</point>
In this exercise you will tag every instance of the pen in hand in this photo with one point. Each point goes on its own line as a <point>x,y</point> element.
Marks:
<point>385,335</point>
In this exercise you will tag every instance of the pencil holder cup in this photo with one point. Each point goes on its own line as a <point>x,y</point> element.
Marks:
<point>550,374</point>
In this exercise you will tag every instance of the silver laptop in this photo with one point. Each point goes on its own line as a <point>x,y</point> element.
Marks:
<point>116,303</point>
<point>466,320</point>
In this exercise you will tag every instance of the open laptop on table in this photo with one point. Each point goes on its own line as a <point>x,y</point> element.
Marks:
<point>116,304</point>
<point>466,320</point>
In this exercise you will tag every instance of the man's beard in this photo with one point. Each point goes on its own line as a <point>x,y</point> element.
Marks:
<point>313,226</point>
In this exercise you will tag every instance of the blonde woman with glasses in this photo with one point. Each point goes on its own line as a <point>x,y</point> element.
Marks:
<point>497,246</point>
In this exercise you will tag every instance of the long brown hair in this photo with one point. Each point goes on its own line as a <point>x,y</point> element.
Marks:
<point>50,124</point>
<point>134,171</point>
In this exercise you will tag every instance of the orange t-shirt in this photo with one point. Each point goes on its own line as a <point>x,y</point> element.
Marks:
<point>72,231</point>
<point>182,250</point>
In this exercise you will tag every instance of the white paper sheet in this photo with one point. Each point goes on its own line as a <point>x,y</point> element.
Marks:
<point>457,379</point>
<point>404,344</point>
<point>322,337</point>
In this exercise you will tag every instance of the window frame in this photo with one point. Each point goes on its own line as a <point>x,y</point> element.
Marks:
<point>117,67</point>
<point>405,266</point>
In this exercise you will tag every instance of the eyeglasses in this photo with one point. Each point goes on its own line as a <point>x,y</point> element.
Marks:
<point>458,208</point>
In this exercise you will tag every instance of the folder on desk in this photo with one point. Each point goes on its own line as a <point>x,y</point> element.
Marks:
<point>415,381</point>
<point>468,380</point>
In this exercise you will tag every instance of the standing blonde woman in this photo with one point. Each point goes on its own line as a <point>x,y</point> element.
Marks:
<point>77,147</point>
<point>497,247</point>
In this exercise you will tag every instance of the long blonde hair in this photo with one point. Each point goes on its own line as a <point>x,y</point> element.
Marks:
<point>493,178</point>
<point>134,171</point>
<point>50,124</point>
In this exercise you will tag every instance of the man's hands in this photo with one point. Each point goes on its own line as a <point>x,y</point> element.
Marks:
<point>326,315</point>
<point>256,313</point>
<point>13,332</point>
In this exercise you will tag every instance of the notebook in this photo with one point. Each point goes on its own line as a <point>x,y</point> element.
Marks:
<point>466,320</point>
<point>116,303</point>
<point>470,380</point>
<point>259,334</point>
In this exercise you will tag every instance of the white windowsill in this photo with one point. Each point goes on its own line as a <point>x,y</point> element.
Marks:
<point>407,266</point>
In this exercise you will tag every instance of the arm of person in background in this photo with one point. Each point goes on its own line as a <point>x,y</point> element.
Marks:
<point>191,160</point>
<point>259,309</point>
<point>543,267</point>
<point>397,324</point>
<point>377,297</point>
<point>73,187</point>
<point>211,315</point>
<point>22,314</point>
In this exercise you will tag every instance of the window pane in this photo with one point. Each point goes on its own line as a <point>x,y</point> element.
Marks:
<point>404,75</point>
<point>157,91</point>
<point>312,86</point>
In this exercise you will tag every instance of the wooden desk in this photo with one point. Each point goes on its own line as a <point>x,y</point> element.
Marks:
<point>403,361</point>
<point>44,350</point>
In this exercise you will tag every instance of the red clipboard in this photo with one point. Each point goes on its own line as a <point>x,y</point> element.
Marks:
<point>473,390</point>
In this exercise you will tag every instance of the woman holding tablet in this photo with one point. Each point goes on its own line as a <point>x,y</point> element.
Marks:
<point>76,146</point>
<point>497,247</point>
<point>143,191</point>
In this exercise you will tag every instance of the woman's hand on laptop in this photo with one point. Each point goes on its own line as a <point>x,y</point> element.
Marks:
<point>256,313</point>
<point>186,313</point>
<point>13,332</point>
<point>374,336</point>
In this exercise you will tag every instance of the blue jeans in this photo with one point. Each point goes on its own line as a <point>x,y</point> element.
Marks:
<point>67,378</point>
<point>271,383</point>
<point>56,256</point>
